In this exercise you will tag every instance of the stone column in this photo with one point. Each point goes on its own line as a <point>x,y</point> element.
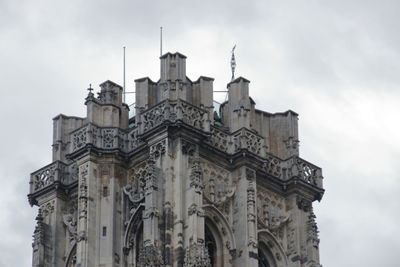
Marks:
<point>87,224</point>
<point>151,254</point>
<point>244,224</point>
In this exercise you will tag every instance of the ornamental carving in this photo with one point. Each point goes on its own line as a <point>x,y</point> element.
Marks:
<point>151,182</point>
<point>133,139</point>
<point>272,214</point>
<point>79,138</point>
<point>153,117</point>
<point>47,208</point>
<point>291,238</point>
<point>70,217</point>
<point>188,148</point>
<point>312,229</point>
<point>245,139</point>
<point>292,144</point>
<point>195,210</point>
<point>219,186</point>
<point>192,115</point>
<point>134,190</point>
<point>151,212</point>
<point>306,171</point>
<point>196,175</point>
<point>158,149</point>
<point>74,173</point>
<point>46,176</point>
<point>197,256</point>
<point>272,166</point>
<point>109,138</point>
<point>83,199</point>
<point>303,204</point>
<point>150,256</point>
<point>39,232</point>
<point>219,139</point>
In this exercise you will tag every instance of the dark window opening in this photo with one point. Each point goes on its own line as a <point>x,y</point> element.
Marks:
<point>211,246</point>
<point>139,242</point>
<point>105,191</point>
<point>262,259</point>
<point>104,231</point>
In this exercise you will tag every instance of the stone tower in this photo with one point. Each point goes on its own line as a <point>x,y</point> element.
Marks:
<point>178,184</point>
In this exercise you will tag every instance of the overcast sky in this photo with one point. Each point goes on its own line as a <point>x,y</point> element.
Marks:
<point>336,63</point>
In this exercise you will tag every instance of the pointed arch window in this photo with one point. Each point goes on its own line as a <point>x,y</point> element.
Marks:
<point>211,246</point>
<point>138,243</point>
<point>262,259</point>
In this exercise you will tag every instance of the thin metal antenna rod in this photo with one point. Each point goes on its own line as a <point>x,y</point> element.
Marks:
<point>124,89</point>
<point>160,41</point>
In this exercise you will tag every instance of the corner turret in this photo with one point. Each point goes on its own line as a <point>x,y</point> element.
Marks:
<point>107,110</point>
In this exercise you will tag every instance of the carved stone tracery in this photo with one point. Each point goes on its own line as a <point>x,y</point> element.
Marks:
<point>219,186</point>
<point>272,214</point>
<point>135,188</point>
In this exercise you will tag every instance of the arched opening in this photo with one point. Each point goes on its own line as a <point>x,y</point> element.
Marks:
<point>133,239</point>
<point>214,244</point>
<point>211,246</point>
<point>71,258</point>
<point>138,243</point>
<point>262,256</point>
<point>219,238</point>
<point>270,251</point>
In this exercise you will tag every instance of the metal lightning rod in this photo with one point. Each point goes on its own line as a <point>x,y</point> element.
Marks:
<point>124,89</point>
<point>160,41</point>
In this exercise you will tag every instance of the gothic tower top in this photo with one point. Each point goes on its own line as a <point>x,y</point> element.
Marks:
<point>178,184</point>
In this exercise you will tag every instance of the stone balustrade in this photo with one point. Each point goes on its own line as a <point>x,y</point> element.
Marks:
<point>47,176</point>
<point>54,172</point>
<point>246,140</point>
<point>174,111</point>
<point>116,139</point>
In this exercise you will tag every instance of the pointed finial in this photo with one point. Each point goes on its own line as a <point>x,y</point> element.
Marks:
<point>90,94</point>
<point>233,62</point>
